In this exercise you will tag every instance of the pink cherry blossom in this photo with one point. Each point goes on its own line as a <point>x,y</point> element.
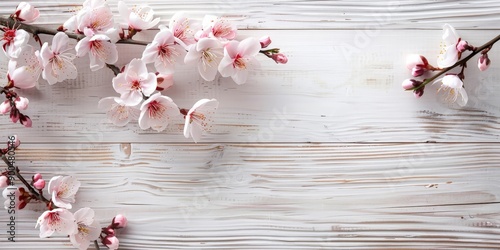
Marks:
<point>134,82</point>
<point>25,71</point>
<point>12,41</point>
<point>88,229</point>
<point>207,54</point>
<point>164,51</point>
<point>26,13</point>
<point>138,17</point>
<point>118,113</point>
<point>156,112</point>
<point>239,58</point>
<point>59,221</point>
<point>97,20</point>
<point>183,28</point>
<point>63,190</point>
<point>199,118</point>
<point>218,27</point>
<point>101,51</point>
<point>57,64</point>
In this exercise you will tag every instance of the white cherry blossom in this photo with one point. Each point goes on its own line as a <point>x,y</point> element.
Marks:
<point>63,190</point>
<point>183,28</point>
<point>25,71</point>
<point>26,13</point>
<point>207,54</point>
<point>138,17</point>
<point>13,41</point>
<point>164,51</point>
<point>199,118</point>
<point>453,89</point>
<point>88,229</point>
<point>118,113</point>
<point>239,57</point>
<point>134,82</point>
<point>59,221</point>
<point>217,27</point>
<point>100,49</point>
<point>58,64</point>
<point>157,111</point>
<point>449,53</point>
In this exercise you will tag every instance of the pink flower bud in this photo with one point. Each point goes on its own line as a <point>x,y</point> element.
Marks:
<point>462,46</point>
<point>5,107</point>
<point>411,84</point>
<point>415,60</point>
<point>26,13</point>
<point>37,177</point>
<point>111,242</point>
<point>417,71</point>
<point>483,63</point>
<point>108,231</point>
<point>265,41</point>
<point>14,115</point>
<point>39,184</point>
<point>279,58</point>
<point>21,103</point>
<point>4,181</point>
<point>418,92</point>
<point>25,120</point>
<point>119,221</point>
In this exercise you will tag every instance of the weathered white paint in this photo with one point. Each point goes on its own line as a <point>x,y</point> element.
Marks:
<point>283,167</point>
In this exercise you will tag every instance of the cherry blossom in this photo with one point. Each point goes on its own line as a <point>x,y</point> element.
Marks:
<point>207,53</point>
<point>12,41</point>
<point>97,20</point>
<point>38,181</point>
<point>59,221</point>
<point>111,242</point>
<point>63,190</point>
<point>483,62</point>
<point>26,13</point>
<point>57,64</point>
<point>101,51</point>
<point>217,27</point>
<point>183,28</point>
<point>453,89</point>
<point>118,113</point>
<point>119,221</point>
<point>20,102</point>
<point>134,82</point>
<point>156,112</point>
<point>199,118</point>
<point>24,72</point>
<point>164,81</point>
<point>449,54</point>
<point>138,17</point>
<point>164,51</point>
<point>88,229</point>
<point>239,57</point>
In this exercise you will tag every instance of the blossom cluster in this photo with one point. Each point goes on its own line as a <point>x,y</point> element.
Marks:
<point>452,84</point>
<point>210,46</point>
<point>80,226</point>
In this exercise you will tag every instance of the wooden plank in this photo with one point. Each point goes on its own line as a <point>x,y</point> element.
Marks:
<point>292,14</point>
<point>277,196</point>
<point>334,89</point>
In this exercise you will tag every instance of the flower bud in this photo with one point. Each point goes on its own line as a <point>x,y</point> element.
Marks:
<point>5,107</point>
<point>119,221</point>
<point>279,58</point>
<point>21,103</point>
<point>462,46</point>
<point>111,242</point>
<point>417,71</point>
<point>37,177</point>
<point>108,231</point>
<point>483,63</point>
<point>265,41</point>
<point>39,184</point>
<point>418,92</point>
<point>411,84</point>
<point>4,181</point>
<point>14,115</point>
<point>25,120</point>
<point>164,81</point>
<point>26,13</point>
<point>415,60</point>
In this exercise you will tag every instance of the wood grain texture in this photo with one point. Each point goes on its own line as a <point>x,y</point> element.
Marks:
<point>317,14</point>
<point>280,196</point>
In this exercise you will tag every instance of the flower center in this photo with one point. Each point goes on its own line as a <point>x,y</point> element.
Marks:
<point>98,49</point>
<point>8,36</point>
<point>136,85</point>
<point>208,58</point>
<point>166,53</point>
<point>239,62</point>
<point>221,28</point>
<point>53,218</point>
<point>156,110</point>
<point>83,229</point>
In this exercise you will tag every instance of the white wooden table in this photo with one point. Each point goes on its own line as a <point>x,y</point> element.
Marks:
<point>325,152</point>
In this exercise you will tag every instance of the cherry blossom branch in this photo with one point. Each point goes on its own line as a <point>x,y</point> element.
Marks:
<point>39,196</point>
<point>462,62</point>
<point>37,29</point>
